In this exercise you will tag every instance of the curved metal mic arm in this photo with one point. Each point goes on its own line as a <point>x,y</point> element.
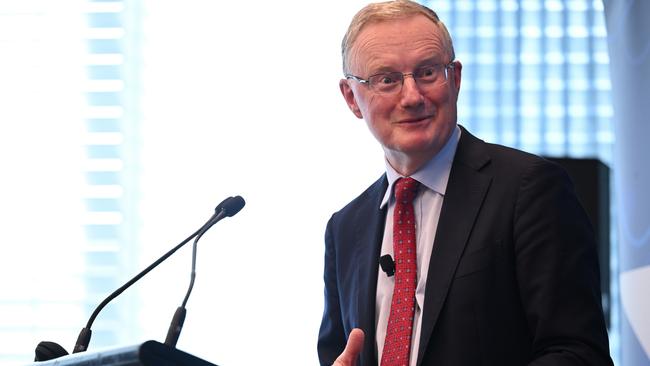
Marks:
<point>230,207</point>
<point>49,350</point>
<point>84,336</point>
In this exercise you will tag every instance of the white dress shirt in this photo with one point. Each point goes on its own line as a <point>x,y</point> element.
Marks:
<point>433,177</point>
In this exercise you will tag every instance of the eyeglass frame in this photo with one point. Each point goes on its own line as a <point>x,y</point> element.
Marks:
<point>450,65</point>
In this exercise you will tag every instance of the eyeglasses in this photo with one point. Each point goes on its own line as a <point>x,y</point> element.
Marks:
<point>391,82</point>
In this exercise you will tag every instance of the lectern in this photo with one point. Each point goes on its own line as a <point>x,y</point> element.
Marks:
<point>149,353</point>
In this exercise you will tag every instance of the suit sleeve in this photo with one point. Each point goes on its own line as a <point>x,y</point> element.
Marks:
<point>557,271</point>
<point>331,337</point>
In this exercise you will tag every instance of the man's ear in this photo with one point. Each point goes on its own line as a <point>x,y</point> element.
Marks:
<point>457,71</point>
<point>348,95</point>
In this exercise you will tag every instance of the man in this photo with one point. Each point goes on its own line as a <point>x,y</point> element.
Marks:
<point>493,259</point>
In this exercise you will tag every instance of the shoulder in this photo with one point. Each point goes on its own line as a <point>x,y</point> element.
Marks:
<point>367,200</point>
<point>502,161</point>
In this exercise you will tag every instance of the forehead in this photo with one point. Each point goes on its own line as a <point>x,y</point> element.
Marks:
<point>397,44</point>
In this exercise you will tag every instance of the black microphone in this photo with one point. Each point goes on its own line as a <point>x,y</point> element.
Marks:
<point>229,207</point>
<point>387,264</point>
<point>49,350</point>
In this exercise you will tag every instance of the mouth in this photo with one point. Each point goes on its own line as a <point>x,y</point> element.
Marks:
<point>414,120</point>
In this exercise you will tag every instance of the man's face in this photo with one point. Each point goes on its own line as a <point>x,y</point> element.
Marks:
<point>415,122</point>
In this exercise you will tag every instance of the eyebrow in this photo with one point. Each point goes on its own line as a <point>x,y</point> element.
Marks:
<point>382,70</point>
<point>429,61</point>
<point>426,62</point>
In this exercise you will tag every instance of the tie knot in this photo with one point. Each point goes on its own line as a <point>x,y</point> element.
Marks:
<point>406,189</point>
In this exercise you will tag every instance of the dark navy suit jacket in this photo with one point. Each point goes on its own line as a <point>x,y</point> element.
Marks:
<point>513,277</point>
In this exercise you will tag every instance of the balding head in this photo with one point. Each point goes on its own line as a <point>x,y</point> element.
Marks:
<point>387,11</point>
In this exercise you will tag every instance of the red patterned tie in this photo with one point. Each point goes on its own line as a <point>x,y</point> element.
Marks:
<point>397,346</point>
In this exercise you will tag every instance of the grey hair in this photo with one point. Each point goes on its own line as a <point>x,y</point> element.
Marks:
<point>386,11</point>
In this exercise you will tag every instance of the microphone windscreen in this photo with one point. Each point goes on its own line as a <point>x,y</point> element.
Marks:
<point>233,205</point>
<point>220,206</point>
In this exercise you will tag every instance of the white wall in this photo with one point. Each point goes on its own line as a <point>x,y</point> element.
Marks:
<point>243,99</point>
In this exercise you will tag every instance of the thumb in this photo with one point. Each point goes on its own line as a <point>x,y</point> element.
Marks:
<point>352,349</point>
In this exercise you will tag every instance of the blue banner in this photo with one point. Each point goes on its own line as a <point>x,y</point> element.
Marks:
<point>628,28</point>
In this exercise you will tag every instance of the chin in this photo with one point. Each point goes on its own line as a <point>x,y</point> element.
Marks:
<point>416,148</point>
<point>419,142</point>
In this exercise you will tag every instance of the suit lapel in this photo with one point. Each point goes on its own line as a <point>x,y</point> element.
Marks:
<point>368,240</point>
<point>464,196</point>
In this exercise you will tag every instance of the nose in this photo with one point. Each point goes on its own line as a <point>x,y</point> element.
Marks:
<point>411,95</point>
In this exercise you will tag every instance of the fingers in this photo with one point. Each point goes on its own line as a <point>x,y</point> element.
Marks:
<point>352,349</point>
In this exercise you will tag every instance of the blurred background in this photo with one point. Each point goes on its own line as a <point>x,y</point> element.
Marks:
<point>124,123</point>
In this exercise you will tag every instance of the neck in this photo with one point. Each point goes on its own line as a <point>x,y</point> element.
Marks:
<point>406,164</point>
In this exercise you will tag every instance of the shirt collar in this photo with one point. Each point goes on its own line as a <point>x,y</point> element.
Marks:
<point>434,174</point>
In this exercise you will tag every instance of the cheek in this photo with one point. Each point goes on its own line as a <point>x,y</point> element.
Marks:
<point>378,109</point>
<point>441,103</point>
<point>440,97</point>
<point>377,115</point>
